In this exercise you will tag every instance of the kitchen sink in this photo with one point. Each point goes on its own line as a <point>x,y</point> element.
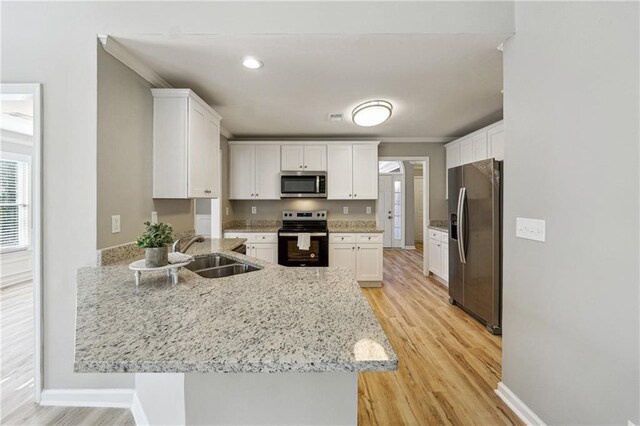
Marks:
<point>218,266</point>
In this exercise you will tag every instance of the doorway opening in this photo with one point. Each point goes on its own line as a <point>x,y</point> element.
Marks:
<point>396,211</point>
<point>20,245</point>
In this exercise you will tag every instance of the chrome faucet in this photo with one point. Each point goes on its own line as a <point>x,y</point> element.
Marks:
<point>176,245</point>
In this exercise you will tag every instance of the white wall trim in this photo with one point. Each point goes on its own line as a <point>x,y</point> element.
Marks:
<point>116,398</point>
<point>123,55</point>
<point>518,407</point>
<point>409,247</point>
<point>139,416</point>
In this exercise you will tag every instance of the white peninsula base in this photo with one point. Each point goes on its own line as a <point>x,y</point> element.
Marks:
<point>329,398</point>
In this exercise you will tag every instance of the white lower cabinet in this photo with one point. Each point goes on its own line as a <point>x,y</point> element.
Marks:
<point>439,254</point>
<point>361,253</point>
<point>261,245</point>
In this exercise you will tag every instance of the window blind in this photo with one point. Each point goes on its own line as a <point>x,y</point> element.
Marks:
<point>14,206</point>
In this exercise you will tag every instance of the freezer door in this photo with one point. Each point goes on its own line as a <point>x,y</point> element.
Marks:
<point>456,269</point>
<point>482,237</point>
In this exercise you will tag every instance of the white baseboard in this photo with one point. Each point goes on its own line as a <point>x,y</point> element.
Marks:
<point>409,247</point>
<point>117,398</point>
<point>518,407</point>
<point>139,416</point>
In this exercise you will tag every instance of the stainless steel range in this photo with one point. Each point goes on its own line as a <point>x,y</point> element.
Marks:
<point>303,239</point>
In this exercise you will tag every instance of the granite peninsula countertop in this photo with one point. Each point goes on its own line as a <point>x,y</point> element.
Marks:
<point>355,229</point>
<point>251,228</point>
<point>442,228</point>
<point>277,319</point>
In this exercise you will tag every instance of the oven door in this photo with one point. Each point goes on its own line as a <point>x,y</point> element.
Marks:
<point>290,255</point>
<point>302,185</point>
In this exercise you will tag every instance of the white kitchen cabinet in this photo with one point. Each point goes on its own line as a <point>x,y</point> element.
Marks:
<point>308,158</point>
<point>480,146</point>
<point>361,253</point>
<point>439,253</point>
<point>365,172</point>
<point>343,255</point>
<point>466,151</point>
<point>369,261</point>
<point>495,141</point>
<point>186,146</point>
<point>254,172</point>
<point>261,245</point>
<point>340,172</point>
<point>352,172</point>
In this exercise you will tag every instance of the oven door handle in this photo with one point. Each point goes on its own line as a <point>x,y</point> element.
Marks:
<point>295,234</point>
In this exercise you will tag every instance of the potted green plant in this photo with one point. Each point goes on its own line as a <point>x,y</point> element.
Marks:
<point>155,241</point>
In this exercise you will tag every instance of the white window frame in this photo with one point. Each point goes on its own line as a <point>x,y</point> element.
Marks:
<point>11,156</point>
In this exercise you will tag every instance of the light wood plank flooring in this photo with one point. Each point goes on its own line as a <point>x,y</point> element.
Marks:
<point>17,346</point>
<point>449,365</point>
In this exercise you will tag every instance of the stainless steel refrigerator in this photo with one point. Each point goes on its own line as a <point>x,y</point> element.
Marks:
<point>475,241</point>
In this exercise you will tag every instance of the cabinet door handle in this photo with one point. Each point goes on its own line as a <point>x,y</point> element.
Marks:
<point>353,248</point>
<point>252,195</point>
<point>355,195</point>
<point>300,166</point>
<point>305,167</point>
<point>256,195</point>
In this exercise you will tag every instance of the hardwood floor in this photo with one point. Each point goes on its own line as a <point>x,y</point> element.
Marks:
<point>17,345</point>
<point>449,365</point>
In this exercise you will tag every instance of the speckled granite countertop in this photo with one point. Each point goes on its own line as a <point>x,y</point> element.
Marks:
<point>439,228</point>
<point>277,319</point>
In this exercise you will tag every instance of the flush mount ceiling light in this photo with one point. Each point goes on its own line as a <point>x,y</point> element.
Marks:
<point>252,63</point>
<point>371,113</point>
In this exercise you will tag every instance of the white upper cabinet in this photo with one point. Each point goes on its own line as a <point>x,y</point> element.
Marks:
<point>365,172</point>
<point>495,141</point>
<point>480,146</point>
<point>254,172</point>
<point>267,172</point>
<point>308,158</point>
<point>453,156</point>
<point>186,146</point>
<point>340,172</point>
<point>466,151</point>
<point>352,172</point>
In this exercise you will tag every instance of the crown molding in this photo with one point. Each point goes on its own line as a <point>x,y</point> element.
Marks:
<point>119,52</point>
<point>226,133</point>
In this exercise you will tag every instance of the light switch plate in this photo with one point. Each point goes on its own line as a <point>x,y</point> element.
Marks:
<point>226,211</point>
<point>530,229</point>
<point>254,210</point>
<point>154,217</point>
<point>115,224</point>
<point>368,209</point>
<point>345,210</point>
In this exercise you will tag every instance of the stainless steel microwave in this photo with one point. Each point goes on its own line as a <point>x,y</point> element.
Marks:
<point>303,185</point>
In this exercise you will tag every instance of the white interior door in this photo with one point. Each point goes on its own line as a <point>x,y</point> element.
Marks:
<point>385,208</point>
<point>418,209</point>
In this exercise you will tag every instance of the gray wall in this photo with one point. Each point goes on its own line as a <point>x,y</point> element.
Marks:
<point>436,154</point>
<point>571,304</point>
<point>60,53</point>
<point>409,207</point>
<point>125,149</point>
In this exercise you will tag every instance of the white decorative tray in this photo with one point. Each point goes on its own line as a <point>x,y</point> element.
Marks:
<point>172,269</point>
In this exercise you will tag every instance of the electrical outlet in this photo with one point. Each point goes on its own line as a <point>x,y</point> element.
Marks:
<point>368,209</point>
<point>254,210</point>
<point>154,217</point>
<point>530,229</point>
<point>226,211</point>
<point>115,224</point>
<point>345,210</point>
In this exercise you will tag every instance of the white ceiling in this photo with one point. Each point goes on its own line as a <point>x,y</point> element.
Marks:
<point>440,85</point>
<point>16,114</point>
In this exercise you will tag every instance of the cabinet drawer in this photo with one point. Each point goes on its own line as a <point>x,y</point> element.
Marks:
<point>435,235</point>
<point>369,238</point>
<point>263,237</point>
<point>342,238</point>
<point>236,235</point>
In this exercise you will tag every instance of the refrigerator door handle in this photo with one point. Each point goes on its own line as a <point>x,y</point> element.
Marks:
<point>461,230</point>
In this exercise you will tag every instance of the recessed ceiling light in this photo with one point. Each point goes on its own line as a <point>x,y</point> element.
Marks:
<point>372,113</point>
<point>252,63</point>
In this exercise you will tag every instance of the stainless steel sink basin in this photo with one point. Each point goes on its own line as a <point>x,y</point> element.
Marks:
<point>210,261</point>
<point>218,266</point>
<point>226,271</point>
